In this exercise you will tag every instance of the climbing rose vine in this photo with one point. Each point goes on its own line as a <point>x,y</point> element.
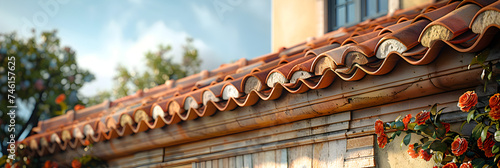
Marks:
<point>450,149</point>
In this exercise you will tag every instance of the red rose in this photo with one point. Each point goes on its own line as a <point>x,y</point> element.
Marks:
<point>487,145</point>
<point>7,165</point>
<point>467,100</point>
<point>78,107</point>
<point>495,101</point>
<point>406,120</point>
<point>47,164</point>
<point>424,155</point>
<point>379,127</point>
<point>459,146</point>
<point>86,142</point>
<point>382,140</point>
<point>446,126</point>
<point>466,165</point>
<point>495,113</point>
<point>450,165</point>
<point>488,153</point>
<point>422,117</point>
<point>411,151</point>
<point>60,98</point>
<point>76,164</point>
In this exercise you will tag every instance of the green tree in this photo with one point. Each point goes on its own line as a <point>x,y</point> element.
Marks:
<point>160,67</point>
<point>43,70</point>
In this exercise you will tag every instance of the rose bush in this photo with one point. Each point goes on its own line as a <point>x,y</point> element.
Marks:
<point>448,148</point>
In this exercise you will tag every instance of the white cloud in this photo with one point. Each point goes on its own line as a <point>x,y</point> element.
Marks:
<point>130,52</point>
<point>222,32</point>
<point>205,16</point>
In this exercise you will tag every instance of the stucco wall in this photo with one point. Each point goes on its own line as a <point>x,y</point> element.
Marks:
<point>393,155</point>
<point>412,3</point>
<point>294,21</point>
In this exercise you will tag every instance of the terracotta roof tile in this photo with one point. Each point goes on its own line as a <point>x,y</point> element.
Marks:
<point>373,47</point>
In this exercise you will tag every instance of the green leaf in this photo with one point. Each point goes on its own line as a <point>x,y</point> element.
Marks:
<point>421,127</point>
<point>429,130</point>
<point>448,158</point>
<point>434,109</point>
<point>411,126</point>
<point>487,109</point>
<point>470,116</point>
<point>441,110</point>
<point>439,125</point>
<point>452,134</point>
<point>437,119</point>
<point>400,125</point>
<point>393,136</point>
<point>473,62</point>
<point>496,157</point>
<point>469,154</point>
<point>426,145</point>
<point>424,140</point>
<point>437,145</point>
<point>495,149</point>
<point>481,57</point>
<point>447,140</point>
<point>480,115</point>
<point>484,133</point>
<point>393,124</point>
<point>462,126</point>
<point>476,132</point>
<point>489,75</point>
<point>406,139</point>
<point>441,132</point>
<point>478,162</point>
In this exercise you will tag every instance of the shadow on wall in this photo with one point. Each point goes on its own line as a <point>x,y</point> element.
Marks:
<point>395,155</point>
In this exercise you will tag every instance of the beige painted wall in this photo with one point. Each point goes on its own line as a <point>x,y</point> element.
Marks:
<point>413,3</point>
<point>393,155</point>
<point>293,21</point>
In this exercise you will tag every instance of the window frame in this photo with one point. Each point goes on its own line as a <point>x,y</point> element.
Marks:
<point>359,14</point>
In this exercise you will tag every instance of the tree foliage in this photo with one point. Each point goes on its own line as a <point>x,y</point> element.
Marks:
<point>43,70</point>
<point>160,67</point>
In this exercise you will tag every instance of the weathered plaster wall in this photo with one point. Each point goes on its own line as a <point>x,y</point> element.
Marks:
<point>295,21</point>
<point>394,155</point>
<point>412,3</point>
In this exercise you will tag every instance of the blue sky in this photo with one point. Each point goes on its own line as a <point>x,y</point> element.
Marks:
<point>107,33</point>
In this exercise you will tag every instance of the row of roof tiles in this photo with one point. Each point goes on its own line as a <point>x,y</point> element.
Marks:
<point>372,47</point>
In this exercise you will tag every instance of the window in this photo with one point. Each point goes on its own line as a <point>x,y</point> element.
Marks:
<point>349,12</point>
